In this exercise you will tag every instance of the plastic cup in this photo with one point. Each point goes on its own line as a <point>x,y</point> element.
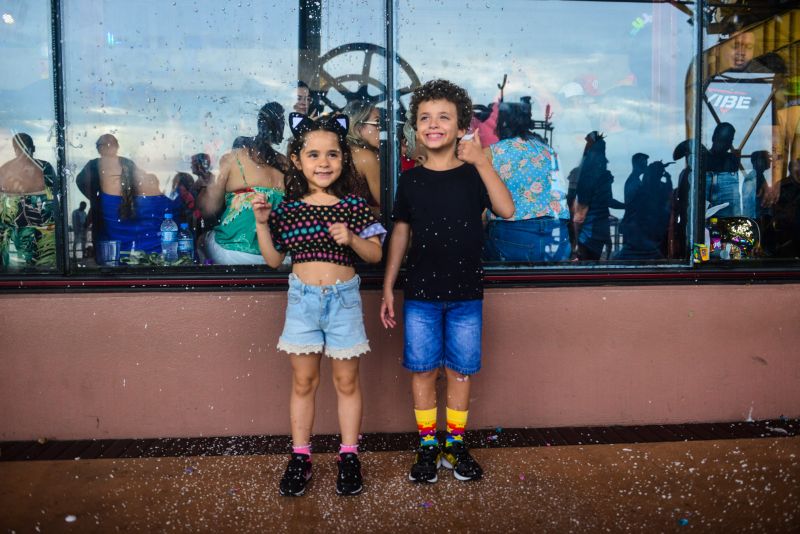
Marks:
<point>109,253</point>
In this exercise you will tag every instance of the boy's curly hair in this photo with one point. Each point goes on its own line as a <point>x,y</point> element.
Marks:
<point>443,90</point>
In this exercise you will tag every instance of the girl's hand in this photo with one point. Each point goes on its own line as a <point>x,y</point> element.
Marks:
<point>261,208</point>
<point>341,234</point>
<point>471,151</point>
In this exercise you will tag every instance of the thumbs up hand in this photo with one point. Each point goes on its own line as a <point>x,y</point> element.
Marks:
<point>470,150</point>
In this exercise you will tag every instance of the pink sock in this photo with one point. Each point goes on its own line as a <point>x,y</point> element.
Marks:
<point>302,449</point>
<point>344,449</point>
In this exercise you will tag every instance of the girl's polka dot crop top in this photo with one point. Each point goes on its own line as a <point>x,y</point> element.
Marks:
<point>301,229</point>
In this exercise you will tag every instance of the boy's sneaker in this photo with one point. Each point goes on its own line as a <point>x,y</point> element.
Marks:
<point>426,463</point>
<point>458,458</point>
<point>349,481</point>
<point>296,476</point>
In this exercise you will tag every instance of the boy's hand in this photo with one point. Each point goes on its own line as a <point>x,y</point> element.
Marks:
<point>261,208</point>
<point>387,310</point>
<point>341,234</point>
<point>471,151</point>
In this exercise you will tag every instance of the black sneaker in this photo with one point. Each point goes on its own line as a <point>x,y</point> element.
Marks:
<point>458,458</point>
<point>296,476</point>
<point>426,463</point>
<point>349,481</point>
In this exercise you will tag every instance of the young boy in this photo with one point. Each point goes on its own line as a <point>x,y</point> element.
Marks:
<point>441,204</point>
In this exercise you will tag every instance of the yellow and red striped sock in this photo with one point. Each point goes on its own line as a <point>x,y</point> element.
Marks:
<point>456,422</point>
<point>426,424</point>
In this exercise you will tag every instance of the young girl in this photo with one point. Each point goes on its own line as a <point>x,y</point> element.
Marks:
<point>325,229</point>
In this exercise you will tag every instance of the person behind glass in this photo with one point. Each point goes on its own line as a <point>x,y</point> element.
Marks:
<point>593,199</point>
<point>539,229</point>
<point>412,154</point>
<point>182,186</point>
<point>754,185</point>
<point>326,229</point>
<point>364,140</point>
<point>126,204</point>
<point>633,185</point>
<point>257,168</point>
<point>201,168</point>
<point>304,99</point>
<point>648,204</point>
<point>786,215</point>
<point>27,208</point>
<point>438,209</point>
<point>79,230</point>
<point>721,172</point>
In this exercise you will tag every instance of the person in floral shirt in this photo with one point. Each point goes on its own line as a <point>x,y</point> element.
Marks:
<point>539,229</point>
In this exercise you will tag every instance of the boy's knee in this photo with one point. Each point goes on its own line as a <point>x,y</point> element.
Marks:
<point>459,377</point>
<point>426,376</point>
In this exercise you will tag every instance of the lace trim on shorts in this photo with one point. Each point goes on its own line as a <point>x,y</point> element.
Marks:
<point>346,354</point>
<point>299,349</point>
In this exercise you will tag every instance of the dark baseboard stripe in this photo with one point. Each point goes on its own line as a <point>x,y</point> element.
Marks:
<point>483,438</point>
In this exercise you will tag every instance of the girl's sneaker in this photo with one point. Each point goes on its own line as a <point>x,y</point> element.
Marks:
<point>425,465</point>
<point>349,481</point>
<point>296,477</point>
<point>458,458</point>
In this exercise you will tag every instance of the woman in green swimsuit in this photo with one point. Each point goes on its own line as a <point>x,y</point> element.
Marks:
<point>245,172</point>
<point>28,210</point>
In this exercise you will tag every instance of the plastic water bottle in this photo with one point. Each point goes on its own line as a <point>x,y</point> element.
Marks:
<point>169,238</point>
<point>185,242</point>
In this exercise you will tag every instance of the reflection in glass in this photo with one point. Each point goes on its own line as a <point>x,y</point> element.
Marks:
<point>176,84</point>
<point>602,73</point>
<point>27,209</point>
<point>29,186</point>
<point>750,122</point>
<point>528,166</point>
<point>255,168</point>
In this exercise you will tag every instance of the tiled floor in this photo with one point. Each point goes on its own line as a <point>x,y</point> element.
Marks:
<point>716,486</point>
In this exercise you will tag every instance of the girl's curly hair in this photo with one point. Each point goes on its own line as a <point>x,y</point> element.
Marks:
<point>442,90</point>
<point>294,180</point>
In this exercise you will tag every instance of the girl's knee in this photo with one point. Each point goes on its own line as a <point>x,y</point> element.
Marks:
<point>305,384</point>
<point>346,383</point>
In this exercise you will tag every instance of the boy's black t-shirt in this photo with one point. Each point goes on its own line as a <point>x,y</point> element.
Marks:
<point>444,209</point>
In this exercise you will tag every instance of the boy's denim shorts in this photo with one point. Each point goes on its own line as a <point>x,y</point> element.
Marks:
<point>324,319</point>
<point>443,333</point>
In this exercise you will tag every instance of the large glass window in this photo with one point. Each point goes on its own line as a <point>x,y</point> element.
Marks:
<point>750,137</point>
<point>621,146</point>
<point>157,93</point>
<point>600,103</point>
<point>29,209</point>
<point>179,110</point>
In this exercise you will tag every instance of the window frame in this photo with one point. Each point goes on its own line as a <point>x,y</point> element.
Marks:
<point>67,278</point>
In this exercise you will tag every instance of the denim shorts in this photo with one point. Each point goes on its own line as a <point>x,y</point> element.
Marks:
<point>324,319</point>
<point>442,333</point>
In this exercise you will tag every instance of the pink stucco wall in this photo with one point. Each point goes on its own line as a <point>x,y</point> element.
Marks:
<point>204,363</point>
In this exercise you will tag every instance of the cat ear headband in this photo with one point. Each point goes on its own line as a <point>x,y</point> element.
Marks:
<point>300,124</point>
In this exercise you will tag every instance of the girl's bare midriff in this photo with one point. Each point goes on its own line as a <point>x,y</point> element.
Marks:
<point>322,273</point>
